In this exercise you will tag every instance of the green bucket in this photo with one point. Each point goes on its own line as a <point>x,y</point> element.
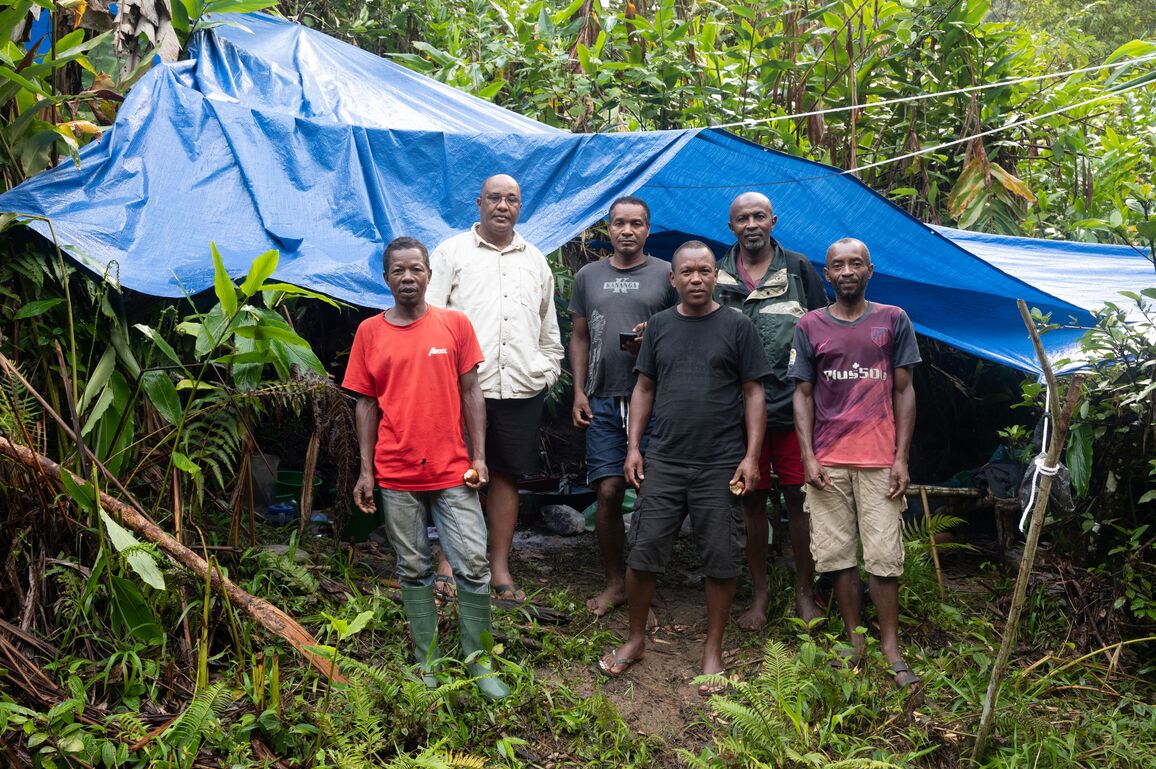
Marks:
<point>358,526</point>
<point>290,484</point>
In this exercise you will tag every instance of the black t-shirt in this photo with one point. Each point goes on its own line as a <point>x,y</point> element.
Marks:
<point>699,366</point>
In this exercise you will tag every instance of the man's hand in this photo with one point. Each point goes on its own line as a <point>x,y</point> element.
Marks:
<point>634,345</point>
<point>478,475</point>
<point>747,473</point>
<point>581,413</point>
<point>900,478</point>
<point>363,494</point>
<point>815,473</point>
<point>633,468</point>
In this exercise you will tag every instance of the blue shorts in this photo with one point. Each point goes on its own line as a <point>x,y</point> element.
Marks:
<point>606,438</point>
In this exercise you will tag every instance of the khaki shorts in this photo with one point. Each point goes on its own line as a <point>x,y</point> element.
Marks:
<point>856,503</point>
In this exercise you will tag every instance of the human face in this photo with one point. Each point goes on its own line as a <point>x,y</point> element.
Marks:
<point>751,221</point>
<point>628,229</point>
<point>498,208</point>
<point>848,270</point>
<point>407,277</point>
<point>693,276</point>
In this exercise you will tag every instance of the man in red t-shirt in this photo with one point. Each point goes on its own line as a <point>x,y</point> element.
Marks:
<point>415,370</point>
<point>854,414</point>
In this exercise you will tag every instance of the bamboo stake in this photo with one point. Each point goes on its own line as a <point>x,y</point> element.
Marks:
<point>931,537</point>
<point>266,614</point>
<point>1059,436</point>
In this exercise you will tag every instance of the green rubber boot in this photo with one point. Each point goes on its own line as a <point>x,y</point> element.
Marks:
<point>474,610</point>
<point>422,614</point>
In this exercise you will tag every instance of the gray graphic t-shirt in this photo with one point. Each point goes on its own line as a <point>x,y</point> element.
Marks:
<point>614,301</point>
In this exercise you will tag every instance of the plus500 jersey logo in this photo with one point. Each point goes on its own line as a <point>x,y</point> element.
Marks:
<point>855,372</point>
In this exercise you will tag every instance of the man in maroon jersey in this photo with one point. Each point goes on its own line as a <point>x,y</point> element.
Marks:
<point>854,414</point>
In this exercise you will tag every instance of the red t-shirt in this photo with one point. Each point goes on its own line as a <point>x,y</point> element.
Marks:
<point>413,373</point>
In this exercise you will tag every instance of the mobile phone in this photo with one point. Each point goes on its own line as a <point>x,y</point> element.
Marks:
<point>625,338</point>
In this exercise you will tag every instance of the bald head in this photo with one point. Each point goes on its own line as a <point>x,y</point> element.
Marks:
<point>850,247</point>
<point>747,199</point>
<point>500,180</point>
<point>751,220</point>
<point>499,204</point>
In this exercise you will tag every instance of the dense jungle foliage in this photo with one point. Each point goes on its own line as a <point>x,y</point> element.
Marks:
<point>147,618</point>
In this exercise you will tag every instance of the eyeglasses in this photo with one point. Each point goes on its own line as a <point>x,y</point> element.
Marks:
<point>494,199</point>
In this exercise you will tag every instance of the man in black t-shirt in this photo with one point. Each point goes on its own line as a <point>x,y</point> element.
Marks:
<point>700,370</point>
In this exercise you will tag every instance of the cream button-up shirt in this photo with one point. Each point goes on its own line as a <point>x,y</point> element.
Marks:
<point>508,294</point>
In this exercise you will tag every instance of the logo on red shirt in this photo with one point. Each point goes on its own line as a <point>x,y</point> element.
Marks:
<point>880,335</point>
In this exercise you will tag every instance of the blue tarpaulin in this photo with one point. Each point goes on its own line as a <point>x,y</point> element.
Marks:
<point>271,135</point>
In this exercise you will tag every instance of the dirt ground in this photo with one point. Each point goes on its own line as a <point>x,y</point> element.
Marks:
<point>655,697</point>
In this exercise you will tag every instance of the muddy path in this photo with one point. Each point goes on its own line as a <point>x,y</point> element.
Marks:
<point>656,697</point>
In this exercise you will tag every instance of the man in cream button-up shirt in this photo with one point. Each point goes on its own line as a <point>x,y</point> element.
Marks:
<point>505,287</point>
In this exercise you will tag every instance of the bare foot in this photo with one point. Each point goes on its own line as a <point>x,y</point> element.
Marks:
<point>607,601</point>
<point>755,617</point>
<point>806,608</point>
<point>712,663</point>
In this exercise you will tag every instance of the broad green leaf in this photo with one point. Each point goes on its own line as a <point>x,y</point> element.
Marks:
<point>491,90</point>
<point>142,563</point>
<point>1080,457</point>
<point>92,420</point>
<point>130,612</point>
<point>38,307</point>
<point>260,271</point>
<point>192,384</point>
<point>562,16</point>
<point>1133,49</point>
<point>290,289</point>
<point>238,6</point>
<point>163,395</point>
<point>1134,82</point>
<point>162,345</point>
<point>83,494</point>
<point>223,285</point>
<point>185,464</point>
<point>97,379</point>
<point>1147,229</point>
<point>358,624</point>
<point>291,355</point>
<point>584,59</point>
<point>262,331</point>
<point>10,74</point>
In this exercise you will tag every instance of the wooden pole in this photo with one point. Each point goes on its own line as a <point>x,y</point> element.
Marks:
<point>266,614</point>
<point>1060,423</point>
<point>931,537</point>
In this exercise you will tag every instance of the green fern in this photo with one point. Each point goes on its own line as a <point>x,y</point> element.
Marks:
<point>773,720</point>
<point>19,411</point>
<point>193,725</point>
<point>918,532</point>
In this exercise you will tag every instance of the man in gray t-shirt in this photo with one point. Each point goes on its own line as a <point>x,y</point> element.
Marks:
<point>612,296</point>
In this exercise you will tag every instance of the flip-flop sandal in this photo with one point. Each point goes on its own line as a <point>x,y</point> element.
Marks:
<point>847,660</point>
<point>905,680</point>
<point>625,663</point>
<point>445,587</point>
<point>509,592</point>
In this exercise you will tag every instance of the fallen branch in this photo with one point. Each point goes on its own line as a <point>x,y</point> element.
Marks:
<point>266,614</point>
